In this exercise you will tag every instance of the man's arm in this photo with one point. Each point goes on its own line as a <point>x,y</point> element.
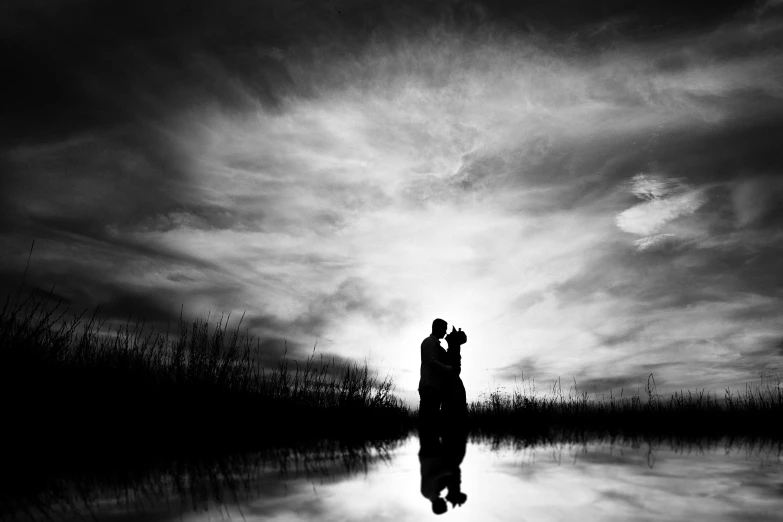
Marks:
<point>430,356</point>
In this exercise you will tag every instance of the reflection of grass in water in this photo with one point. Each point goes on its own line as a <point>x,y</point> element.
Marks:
<point>765,451</point>
<point>78,397</point>
<point>575,415</point>
<point>196,483</point>
<point>762,448</point>
<point>224,484</point>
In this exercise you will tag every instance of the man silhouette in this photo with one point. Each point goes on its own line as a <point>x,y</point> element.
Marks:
<point>433,380</point>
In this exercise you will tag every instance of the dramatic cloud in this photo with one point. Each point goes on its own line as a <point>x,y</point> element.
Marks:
<point>588,193</point>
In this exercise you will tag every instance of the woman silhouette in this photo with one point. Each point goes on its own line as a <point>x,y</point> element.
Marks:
<point>455,407</point>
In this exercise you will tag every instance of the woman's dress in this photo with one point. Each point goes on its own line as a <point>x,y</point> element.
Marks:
<point>455,408</point>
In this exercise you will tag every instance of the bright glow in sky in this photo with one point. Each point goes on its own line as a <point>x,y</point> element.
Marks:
<point>598,213</point>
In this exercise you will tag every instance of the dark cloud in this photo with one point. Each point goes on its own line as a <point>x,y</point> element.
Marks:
<point>86,65</point>
<point>75,67</point>
<point>97,179</point>
<point>352,297</point>
<point>620,338</point>
<point>78,291</point>
<point>681,275</point>
<point>139,305</point>
<point>654,369</point>
<point>523,369</point>
<point>726,152</point>
<point>604,386</point>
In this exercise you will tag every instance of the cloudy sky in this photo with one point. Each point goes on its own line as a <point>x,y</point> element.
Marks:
<point>591,192</point>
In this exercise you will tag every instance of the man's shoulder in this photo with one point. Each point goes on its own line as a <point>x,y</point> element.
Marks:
<point>431,341</point>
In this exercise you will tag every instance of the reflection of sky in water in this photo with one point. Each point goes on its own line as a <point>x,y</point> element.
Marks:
<point>596,482</point>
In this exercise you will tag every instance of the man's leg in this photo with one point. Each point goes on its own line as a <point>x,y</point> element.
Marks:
<point>429,411</point>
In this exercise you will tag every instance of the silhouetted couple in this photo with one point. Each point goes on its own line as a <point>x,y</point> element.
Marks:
<point>442,416</point>
<point>439,461</point>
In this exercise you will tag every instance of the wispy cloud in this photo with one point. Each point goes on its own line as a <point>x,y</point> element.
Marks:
<point>664,199</point>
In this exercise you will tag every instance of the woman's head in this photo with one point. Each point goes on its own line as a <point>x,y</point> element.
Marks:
<point>456,337</point>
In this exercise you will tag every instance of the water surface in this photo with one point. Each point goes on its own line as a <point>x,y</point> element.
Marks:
<point>597,481</point>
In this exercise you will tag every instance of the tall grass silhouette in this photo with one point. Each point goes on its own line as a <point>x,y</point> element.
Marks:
<point>70,383</point>
<point>574,414</point>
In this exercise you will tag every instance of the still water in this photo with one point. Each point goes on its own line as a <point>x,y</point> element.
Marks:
<point>598,481</point>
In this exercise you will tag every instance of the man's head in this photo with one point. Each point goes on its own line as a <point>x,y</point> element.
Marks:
<point>439,328</point>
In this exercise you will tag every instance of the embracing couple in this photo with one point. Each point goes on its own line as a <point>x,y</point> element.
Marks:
<point>442,418</point>
<point>443,407</point>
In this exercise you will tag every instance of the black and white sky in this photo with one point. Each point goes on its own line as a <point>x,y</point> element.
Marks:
<point>592,190</point>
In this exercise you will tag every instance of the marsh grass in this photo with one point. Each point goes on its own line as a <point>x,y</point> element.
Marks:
<point>576,415</point>
<point>86,406</point>
<point>73,387</point>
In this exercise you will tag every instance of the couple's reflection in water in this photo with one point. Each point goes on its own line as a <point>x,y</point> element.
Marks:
<point>443,432</point>
<point>441,479</point>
